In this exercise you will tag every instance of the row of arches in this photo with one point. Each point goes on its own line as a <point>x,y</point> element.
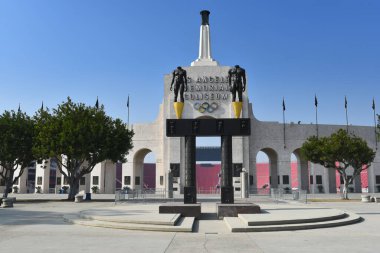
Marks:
<point>268,172</point>
<point>144,160</point>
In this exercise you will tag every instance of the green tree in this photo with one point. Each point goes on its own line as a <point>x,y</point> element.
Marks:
<point>16,142</point>
<point>78,137</point>
<point>342,152</point>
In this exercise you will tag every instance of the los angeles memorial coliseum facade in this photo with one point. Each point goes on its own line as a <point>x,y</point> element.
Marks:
<point>208,96</point>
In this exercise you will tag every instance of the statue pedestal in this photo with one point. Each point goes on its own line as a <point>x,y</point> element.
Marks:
<point>190,195</point>
<point>232,210</point>
<point>178,108</point>
<point>186,210</point>
<point>227,194</point>
<point>237,106</point>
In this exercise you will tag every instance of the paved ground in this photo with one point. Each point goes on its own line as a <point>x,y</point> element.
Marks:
<point>39,227</point>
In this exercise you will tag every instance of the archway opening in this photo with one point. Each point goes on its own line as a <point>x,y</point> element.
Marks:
<point>144,166</point>
<point>149,173</point>
<point>267,169</point>
<point>294,171</point>
<point>300,171</point>
<point>262,171</point>
<point>208,165</point>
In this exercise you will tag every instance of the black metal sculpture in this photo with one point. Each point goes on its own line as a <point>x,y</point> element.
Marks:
<point>205,14</point>
<point>180,83</point>
<point>237,82</point>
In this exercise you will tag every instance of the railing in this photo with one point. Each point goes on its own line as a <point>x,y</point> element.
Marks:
<point>143,194</point>
<point>259,191</point>
<point>161,194</point>
<point>208,190</point>
<point>279,194</point>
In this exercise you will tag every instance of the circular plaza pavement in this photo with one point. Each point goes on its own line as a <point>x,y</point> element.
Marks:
<point>41,227</point>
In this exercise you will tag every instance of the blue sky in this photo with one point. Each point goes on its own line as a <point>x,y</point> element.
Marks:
<point>294,49</point>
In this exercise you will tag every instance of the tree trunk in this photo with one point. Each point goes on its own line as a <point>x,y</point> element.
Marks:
<point>74,188</point>
<point>345,189</point>
<point>6,189</point>
<point>8,185</point>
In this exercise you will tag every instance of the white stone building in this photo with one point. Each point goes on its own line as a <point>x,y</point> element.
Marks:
<point>208,89</point>
<point>208,83</point>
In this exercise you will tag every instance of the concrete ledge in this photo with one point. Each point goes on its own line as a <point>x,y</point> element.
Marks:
<point>185,224</point>
<point>238,225</point>
<point>8,202</point>
<point>152,219</point>
<point>283,217</point>
<point>232,210</point>
<point>13,199</point>
<point>78,198</point>
<point>365,198</point>
<point>186,210</point>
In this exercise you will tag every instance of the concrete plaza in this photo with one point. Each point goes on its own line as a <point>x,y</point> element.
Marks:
<point>39,227</point>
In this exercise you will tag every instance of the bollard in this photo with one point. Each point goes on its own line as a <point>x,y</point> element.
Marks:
<point>244,184</point>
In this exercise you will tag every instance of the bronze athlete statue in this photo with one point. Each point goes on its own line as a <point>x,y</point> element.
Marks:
<point>180,83</point>
<point>237,82</point>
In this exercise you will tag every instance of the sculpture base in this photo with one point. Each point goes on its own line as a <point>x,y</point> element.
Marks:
<point>190,195</point>
<point>227,194</point>
<point>178,108</point>
<point>237,106</point>
<point>232,210</point>
<point>186,210</point>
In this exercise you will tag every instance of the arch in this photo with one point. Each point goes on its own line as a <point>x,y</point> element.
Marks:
<point>205,117</point>
<point>273,166</point>
<point>138,167</point>
<point>207,179</point>
<point>302,170</point>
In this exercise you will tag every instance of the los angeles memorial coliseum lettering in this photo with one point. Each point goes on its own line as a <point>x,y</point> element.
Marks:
<point>207,88</point>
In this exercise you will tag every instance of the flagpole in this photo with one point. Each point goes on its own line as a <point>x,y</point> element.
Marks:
<point>345,106</point>
<point>316,119</point>
<point>128,110</point>
<point>283,118</point>
<point>316,113</point>
<point>374,120</point>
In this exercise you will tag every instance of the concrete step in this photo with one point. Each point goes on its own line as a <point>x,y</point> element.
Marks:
<point>291,216</point>
<point>184,224</point>
<point>153,219</point>
<point>236,224</point>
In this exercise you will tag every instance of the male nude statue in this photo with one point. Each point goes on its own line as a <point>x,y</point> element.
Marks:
<point>180,83</point>
<point>237,82</point>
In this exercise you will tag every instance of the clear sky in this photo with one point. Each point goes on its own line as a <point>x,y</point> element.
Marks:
<point>294,49</point>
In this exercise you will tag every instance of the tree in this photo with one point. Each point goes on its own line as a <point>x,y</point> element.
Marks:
<point>341,152</point>
<point>78,137</point>
<point>16,143</point>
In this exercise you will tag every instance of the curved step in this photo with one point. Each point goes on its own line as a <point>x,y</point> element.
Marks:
<point>292,217</point>
<point>184,224</point>
<point>161,219</point>
<point>235,224</point>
